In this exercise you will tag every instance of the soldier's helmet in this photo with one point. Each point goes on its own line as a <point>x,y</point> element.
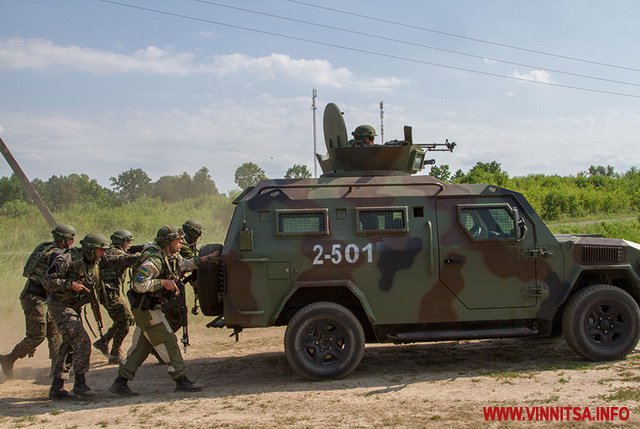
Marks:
<point>363,131</point>
<point>193,228</point>
<point>120,236</point>
<point>63,232</point>
<point>167,234</point>
<point>94,241</point>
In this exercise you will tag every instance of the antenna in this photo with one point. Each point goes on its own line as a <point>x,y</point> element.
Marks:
<point>314,94</point>
<point>382,122</point>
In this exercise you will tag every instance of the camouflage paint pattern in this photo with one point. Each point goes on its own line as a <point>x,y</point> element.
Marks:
<point>432,273</point>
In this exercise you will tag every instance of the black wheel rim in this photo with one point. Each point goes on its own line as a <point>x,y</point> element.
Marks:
<point>608,324</point>
<point>325,343</point>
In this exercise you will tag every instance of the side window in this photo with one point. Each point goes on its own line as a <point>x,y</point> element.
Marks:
<point>295,223</point>
<point>487,223</point>
<point>381,220</point>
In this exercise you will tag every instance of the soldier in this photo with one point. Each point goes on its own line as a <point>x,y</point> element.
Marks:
<point>111,298</point>
<point>72,281</point>
<point>363,135</point>
<point>192,230</point>
<point>154,282</point>
<point>33,299</point>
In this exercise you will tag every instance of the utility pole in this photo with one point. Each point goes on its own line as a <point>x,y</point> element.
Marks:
<point>28,187</point>
<point>314,95</point>
<point>382,122</point>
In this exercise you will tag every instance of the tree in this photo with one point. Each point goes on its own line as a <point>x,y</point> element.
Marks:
<point>131,184</point>
<point>484,172</point>
<point>11,189</point>
<point>298,171</point>
<point>441,173</point>
<point>203,184</point>
<point>248,174</point>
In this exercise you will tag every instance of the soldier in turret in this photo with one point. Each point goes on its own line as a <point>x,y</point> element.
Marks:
<point>155,275</point>
<point>39,324</point>
<point>72,281</point>
<point>363,135</point>
<point>113,277</point>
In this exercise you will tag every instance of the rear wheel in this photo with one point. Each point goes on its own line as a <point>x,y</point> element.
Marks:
<point>602,322</point>
<point>324,340</point>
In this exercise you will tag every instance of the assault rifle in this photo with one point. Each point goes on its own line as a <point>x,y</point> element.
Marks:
<point>181,301</point>
<point>95,309</point>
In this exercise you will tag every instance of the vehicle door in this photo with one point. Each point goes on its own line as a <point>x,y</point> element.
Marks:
<point>484,253</point>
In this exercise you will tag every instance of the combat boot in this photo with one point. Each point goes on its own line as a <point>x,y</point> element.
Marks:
<point>183,384</point>
<point>115,356</point>
<point>7,362</point>
<point>57,390</point>
<point>102,346</point>
<point>119,387</point>
<point>80,387</point>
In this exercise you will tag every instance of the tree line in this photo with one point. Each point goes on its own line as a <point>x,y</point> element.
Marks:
<point>596,191</point>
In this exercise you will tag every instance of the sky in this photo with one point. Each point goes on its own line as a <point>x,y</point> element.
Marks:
<point>170,86</point>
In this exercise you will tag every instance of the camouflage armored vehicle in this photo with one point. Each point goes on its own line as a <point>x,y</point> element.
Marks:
<point>369,253</point>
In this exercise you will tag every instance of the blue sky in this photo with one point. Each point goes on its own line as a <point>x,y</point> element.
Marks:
<point>93,87</point>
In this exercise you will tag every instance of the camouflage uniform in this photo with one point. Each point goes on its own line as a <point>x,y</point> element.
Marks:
<point>147,295</point>
<point>111,298</point>
<point>65,305</point>
<point>33,298</point>
<point>192,230</point>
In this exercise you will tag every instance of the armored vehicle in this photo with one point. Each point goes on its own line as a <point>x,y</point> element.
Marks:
<point>370,253</point>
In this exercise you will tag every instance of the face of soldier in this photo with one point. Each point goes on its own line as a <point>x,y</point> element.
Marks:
<point>68,243</point>
<point>127,245</point>
<point>99,253</point>
<point>175,246</point>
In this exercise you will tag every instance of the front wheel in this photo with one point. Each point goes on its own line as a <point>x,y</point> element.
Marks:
<point>602,322</point>
<point>324,340</point>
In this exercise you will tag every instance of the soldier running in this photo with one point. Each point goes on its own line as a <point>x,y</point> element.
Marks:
<point>39,324</point>
<point>154,282</point>
<point>111,298</point>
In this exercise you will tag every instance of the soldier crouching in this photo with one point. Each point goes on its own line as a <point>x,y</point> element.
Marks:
<point>153,283</point>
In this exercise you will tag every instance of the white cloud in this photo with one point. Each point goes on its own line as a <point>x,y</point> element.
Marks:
<point>19,53</point>
<point>534,75</point>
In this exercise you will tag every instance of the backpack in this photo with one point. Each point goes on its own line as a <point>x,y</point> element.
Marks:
<point>36,266</point>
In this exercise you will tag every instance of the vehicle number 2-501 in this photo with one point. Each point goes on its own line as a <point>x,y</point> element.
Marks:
<point>350,253</point>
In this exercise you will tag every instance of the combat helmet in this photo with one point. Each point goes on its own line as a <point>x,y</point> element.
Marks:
<point>167,234</point>
<point>193,228</point>
<point>363,131</point>
<point>94,241</point>
<point>63,232</point>
<point>119,237</point>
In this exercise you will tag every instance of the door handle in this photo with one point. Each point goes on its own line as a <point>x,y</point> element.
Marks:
<point>453,261</point>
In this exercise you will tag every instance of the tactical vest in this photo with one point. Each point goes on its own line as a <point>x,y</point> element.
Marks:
<point>78,270</point>
<point>168,270</point>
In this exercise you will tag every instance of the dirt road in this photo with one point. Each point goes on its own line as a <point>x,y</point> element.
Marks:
<point>249,384</point>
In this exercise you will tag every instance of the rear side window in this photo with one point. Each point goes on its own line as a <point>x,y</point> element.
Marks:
<point>295,223</point>
<point>381,220</point>
<point>484,223</point>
